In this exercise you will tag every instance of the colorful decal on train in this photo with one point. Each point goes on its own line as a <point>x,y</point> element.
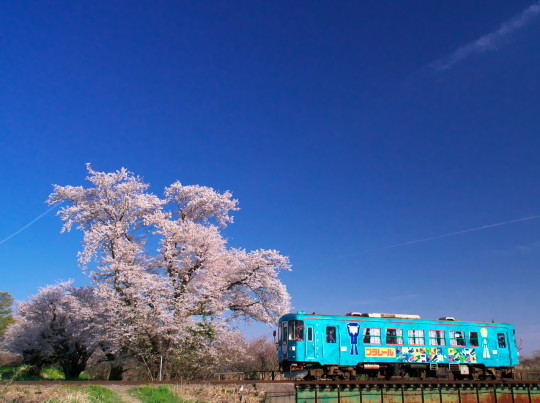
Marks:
<point>462,355</point>
<point>380,352</point>
<point>419,354</point>
<point>353,329</point>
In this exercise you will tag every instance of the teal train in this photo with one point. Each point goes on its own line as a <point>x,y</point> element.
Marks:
<point>393,346</point>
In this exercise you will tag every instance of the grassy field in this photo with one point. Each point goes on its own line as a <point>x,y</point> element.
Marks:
<point>57,394</point>
<point>98,393</point>
<point>161,394</point>
<point>12,392</point>
<point>175,393</point>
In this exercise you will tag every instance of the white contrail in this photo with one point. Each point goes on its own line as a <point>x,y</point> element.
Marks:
<point>431,238</point>
<point>489,41</point>
<point>29,224</point>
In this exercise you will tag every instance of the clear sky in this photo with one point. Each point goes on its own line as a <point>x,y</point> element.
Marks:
<point>342,128</point>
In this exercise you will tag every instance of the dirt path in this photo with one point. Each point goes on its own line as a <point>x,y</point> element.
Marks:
<point>123,393</point>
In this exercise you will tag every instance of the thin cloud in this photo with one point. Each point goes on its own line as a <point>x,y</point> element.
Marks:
<point>489,42</point>
<point>29,224</point>
<point>449,234</point>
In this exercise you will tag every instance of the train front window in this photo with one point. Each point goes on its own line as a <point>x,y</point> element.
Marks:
<point>457,338</point>
<point>436,338</point>
<point>296,330</point>
<point>473,338</point>
<point>501,340</point>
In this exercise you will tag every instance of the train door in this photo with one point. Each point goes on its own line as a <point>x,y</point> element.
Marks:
<point>502,345</point>
<point>318,338</point>
<point>310,342</point>
<point>284,338</point>
<point>331,345</point>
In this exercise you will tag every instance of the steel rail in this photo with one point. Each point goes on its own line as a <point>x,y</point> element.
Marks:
<point>420,382</point>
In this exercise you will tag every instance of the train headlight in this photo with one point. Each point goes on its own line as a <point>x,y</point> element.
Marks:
<point>292,348</point>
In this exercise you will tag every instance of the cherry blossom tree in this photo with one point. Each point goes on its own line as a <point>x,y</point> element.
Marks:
<point>55,327</point>
<point>259,359</point>
<point>163,269</point>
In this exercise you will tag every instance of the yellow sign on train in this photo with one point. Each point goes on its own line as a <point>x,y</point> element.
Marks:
<point>380,352</point>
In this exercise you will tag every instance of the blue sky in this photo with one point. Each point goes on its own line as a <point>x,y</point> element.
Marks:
<point>342,128</point>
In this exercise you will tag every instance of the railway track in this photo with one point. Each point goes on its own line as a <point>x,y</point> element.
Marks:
<point>424,391</point>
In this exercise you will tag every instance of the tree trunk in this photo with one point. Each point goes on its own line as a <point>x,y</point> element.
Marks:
<point>72,372</point>
<point>75,363</point>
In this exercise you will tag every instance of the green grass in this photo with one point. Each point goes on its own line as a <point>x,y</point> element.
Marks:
<point>84,376</point>
<point>54,374</point>
<point>101,394</point>
<point>22,373</point>
<point>162,394</point>
<point>6,373</point>
<point>19,373</point>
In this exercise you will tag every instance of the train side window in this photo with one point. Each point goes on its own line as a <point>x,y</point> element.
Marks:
<point>330,334</point>
<point>501,340</point>
<point>416,337</point>
<point>310,333</point>
<point>285,332</point>
<point>457,338</point>
<point>394,336</point>
<point>372,335</point>
<point>473,339</point>
<point>436,338</point>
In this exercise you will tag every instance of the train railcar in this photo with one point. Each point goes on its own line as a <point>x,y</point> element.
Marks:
<point>393,346</point>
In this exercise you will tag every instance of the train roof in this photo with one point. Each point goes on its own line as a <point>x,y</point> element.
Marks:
<point>388,317</point>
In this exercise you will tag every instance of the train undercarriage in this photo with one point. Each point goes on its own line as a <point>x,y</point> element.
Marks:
<point>394,371</point>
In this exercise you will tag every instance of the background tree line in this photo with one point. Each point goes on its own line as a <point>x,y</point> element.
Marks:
<point>6,317</point>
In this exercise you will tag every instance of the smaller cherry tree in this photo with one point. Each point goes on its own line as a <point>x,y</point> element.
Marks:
<point>55,326</point>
